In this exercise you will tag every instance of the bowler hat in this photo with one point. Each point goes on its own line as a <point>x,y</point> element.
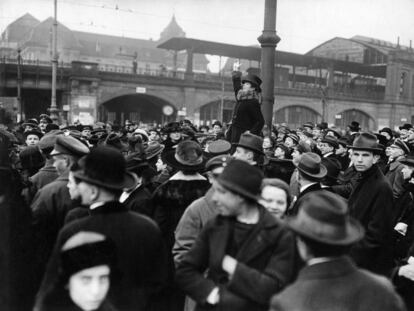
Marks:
<point>254,80</point>
<point>311,165</point>
<point>251,142</point>
<point>308,124</point>
<point>187,156</point>
<point>153,149</point>
<point>354,126</point>
<point>234,179</point>
<point>323,217</point>
<point>106,167</point>
<point>386,130</point>
<point>365,141</point>
<point>335,132</point>
<point>69,145</point>
<point>402,145</point>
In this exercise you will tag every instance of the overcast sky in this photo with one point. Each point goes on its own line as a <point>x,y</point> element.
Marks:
<point>302,24</point>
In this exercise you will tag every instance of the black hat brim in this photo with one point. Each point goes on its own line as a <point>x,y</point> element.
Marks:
<point>128,182</point>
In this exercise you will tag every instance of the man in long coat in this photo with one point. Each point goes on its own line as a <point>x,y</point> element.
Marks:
<point>248,253</point>
<point>330,280</point>
<point>140,250</point>
<point>371,203</point>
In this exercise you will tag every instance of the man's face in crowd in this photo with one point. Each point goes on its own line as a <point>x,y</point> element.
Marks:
<point>407,172</point>
<point>274,200</point>
<point>175,136</point>
<point>42,125</point>
<point>216,129</point>
<point>32,140</point>
<point>153,136</point>
<point>325,148</point>
<point>227,202</point>
<point>86,133</point>
<point>60,162</point>
<point>289,142</point>
<point>404,133</point>
<point>363,160</point>
<point>73,187</point>
<point>88,287</point>
<point>395,152</point>
<point>243,154</point>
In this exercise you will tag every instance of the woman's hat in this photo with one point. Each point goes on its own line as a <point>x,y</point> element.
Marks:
<point>365,141</point>
<point>303,147</point>
<point>331,140</point>
<point>323,217</point>
<point>234,179</point>
<point>251,142</point>
<point>187,156</point>
<point>254,80</point>
<point>311,165</point>
<point>172,127</point>
<point>294,137</point>
<point>105,166</point>
<point>85,250</point>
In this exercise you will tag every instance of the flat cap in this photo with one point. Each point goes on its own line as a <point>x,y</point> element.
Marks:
<point>69,145</point>
<point>48,141</point>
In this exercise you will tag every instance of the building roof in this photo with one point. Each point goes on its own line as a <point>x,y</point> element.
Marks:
<point>281,57</point>
<point>16,30</point>
<point>36,37</point>
<point>172,30</point>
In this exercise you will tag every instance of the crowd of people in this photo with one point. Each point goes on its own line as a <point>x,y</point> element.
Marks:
<point>105,217</point>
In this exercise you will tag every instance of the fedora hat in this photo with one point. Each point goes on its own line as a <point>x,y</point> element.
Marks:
<point>153,149</point>
<point>323,217</point>
<point>234,179</point>
<point>311,165</point>
<point>254,80</point>
<point>251,142</point>
<point>106,167</point>
<point>187,156</point>
<point>354,126</point>
<point>365,141</point>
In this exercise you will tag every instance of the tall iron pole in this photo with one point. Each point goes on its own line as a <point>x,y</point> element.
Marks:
<point>19,84</point>
<point>268,41</point>
<point>53,107</point>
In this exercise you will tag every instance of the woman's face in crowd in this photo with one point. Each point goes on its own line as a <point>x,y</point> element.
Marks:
<point>274,200</point>
<point>295,154</point>
<point>88,287</point>
<point>279,153</point>
<point>289,142</point>
<point>175,136</point>
<point>267,144</point>
<point>32,140</point>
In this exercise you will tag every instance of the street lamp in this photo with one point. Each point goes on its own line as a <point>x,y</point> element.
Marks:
<point>53,107</point>
<point>268,41</point>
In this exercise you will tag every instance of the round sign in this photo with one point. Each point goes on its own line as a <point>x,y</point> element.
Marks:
<point>167,110</point>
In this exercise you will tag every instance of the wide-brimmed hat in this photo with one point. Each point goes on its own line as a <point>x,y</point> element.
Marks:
<point>311,165</point>
<point>242,178</point>
<point>254,80</point>
<point>365,141</point>
<point>153,149</point>
<point>334,131</point>
<point>106,167</point>
<point>387,130</point>
<point>187,156</point>
<point>400,144</point>
<point>323,217</point>
<point>406,126</point>
<point>172,127</point>
<point>251,142</point>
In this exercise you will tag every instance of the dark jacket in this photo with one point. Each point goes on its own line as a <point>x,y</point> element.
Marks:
<point>396,178</point>
<point>294,209</point>
<point>247,115</point>
<point>43,177</point>
<point>404,286</point>
<point>265,265</point>
<point>337,285</point>
<point>49,209</point>
<point>138,201</point>
<point>140,252</point>
<point>371,203</point>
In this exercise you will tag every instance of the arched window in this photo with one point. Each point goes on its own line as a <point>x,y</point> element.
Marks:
<point>345,118</point>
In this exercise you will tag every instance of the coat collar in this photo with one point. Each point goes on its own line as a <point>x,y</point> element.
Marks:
<point>330,269</point>
<point>262,235</point>
<point>109,207</point>
<point>64,176</point>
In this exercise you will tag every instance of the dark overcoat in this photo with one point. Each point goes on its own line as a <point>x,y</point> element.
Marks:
<point>247,115</point>
<point>140,252</point>
<point>371,203</point>
<point>337,285</point>
<point>43,177</point>
<point>266,264</point>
